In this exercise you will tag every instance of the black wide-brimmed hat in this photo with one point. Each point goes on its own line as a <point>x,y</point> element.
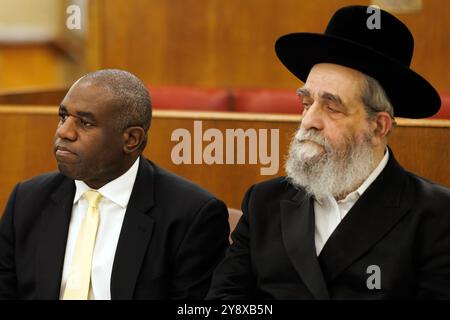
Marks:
<point>384,54</point>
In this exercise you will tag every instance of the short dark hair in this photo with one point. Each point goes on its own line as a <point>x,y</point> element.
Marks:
<point>129,93</point>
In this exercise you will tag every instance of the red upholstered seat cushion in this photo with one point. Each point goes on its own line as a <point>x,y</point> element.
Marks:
<point>189,98</point>
<point>444,112</point>
<point>267,101</point>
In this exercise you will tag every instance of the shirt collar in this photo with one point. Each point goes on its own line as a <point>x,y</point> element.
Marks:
<point>118,190</point>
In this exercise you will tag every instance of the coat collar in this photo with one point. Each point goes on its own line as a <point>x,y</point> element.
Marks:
<point>133,240</point>
<point>380,207</point>
<point>135,235</point>
<point>297,224</point>
<point>52,244</point>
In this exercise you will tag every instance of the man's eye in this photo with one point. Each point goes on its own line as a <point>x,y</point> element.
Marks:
<point>306,105</point>
<point>62,117</point>
<point>86,124</point>
<point>332,110</point>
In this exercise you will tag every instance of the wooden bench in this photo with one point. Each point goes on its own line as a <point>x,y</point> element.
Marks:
<point>27,132</point>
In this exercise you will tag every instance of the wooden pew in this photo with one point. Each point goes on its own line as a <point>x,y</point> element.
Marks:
<point>27,134</point>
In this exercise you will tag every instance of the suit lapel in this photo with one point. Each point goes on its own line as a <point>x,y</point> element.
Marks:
<point>297,224</point>
<point>372,216</point>
<point>135,234</point>
<point>52,244</point>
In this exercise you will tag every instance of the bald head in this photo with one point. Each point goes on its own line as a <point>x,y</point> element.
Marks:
<point>128,94</point>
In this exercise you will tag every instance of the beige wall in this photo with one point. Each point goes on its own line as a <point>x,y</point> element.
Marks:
<point>28,19</point>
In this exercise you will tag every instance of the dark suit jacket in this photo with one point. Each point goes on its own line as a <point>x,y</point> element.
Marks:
<point>401,224</point>
<point>173,235</point>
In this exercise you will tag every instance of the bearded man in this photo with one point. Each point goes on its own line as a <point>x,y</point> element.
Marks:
<point>348,222</point>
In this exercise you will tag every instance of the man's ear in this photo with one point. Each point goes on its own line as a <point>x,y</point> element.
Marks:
<point>133,138</point>
<point>383,124</point>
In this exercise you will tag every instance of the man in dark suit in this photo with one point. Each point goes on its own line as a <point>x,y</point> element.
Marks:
<point>348,222</point>
<point>149,227</point>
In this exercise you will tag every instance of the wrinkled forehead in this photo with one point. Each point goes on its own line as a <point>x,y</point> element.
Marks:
<point>335,79</point>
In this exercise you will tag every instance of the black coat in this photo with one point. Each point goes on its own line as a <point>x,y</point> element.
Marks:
<point>401,224</point>
<point>173,235</point>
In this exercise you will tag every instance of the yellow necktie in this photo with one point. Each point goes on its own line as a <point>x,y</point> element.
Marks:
<point>78,282</point>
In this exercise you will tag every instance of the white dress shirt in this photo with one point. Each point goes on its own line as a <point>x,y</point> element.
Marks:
<point>329,212</point>
<point>112,207</point>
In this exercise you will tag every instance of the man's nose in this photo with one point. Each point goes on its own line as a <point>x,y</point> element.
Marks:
<point>66,130</point>
<point>312,118</point>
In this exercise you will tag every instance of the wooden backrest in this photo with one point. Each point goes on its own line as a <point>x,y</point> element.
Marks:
<point>26,147</point>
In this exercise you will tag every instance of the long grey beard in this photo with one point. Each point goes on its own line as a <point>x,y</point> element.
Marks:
<point>333,173</point>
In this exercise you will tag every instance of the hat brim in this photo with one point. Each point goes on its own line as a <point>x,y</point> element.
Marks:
<point>411,95</point>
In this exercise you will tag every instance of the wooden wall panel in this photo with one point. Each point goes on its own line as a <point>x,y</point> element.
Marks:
<point>27,139</point>
<point>231,43</point>
<point>28,65</point>
<point>431,30</point>
<point>38,49</point>
<point>42,95</point>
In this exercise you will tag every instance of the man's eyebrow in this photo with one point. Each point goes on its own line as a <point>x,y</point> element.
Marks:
<point>86,115</point>
<point>331,97</point>
<point>79,114</point>
<point>303,92</point>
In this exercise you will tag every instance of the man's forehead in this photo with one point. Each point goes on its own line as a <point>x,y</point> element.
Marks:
<point>333,79</point>
<point>326,71</point>
<point>92,85</point>
<point>87,94</point>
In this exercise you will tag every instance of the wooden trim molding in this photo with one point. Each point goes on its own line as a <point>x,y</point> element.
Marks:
<point>204,115</point>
